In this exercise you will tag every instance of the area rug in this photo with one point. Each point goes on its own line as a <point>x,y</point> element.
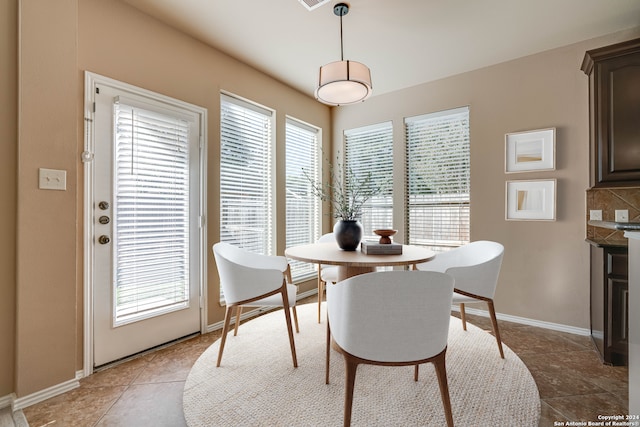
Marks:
<point>257,385</point>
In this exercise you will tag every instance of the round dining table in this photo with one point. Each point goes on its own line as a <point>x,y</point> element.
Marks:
<point>352,263</point>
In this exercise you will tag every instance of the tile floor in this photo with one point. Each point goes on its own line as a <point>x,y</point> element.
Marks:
<point>573,384</point>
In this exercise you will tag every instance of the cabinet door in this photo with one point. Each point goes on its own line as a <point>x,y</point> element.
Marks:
<point>618,109</point>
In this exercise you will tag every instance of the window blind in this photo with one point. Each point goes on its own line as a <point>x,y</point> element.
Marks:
<point>151,209</point>
<point>369,150</point>
<point>303,208</point>
<point>438,179</point>
<point>246,177</point>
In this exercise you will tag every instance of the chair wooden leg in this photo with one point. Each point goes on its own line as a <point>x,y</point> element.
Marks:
<point>287,316</point>
<point>494,324</point>
<point>328,354</point>
<point>237,325</point>
<point>463,317</point>
<point>295,319</point>
<point>320,288</point>
<point>223,338</point>
<point>351,367</point>
<point>441,372</point>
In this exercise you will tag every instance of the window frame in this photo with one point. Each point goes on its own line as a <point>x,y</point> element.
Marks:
<point>303,271</point>
<point>463,203</point>
<point>378,136</point>
<point>267,143</point>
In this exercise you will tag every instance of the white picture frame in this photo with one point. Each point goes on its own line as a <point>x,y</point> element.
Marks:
<point>533,200</point>
<point>530,151</point>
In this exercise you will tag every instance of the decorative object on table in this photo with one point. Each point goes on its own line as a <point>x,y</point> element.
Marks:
<point>348,233</point>
<point>347,193</point>
<point>375,248</point>
<point>530,151</point>
<point>531,200</point>
<point>385,235</point>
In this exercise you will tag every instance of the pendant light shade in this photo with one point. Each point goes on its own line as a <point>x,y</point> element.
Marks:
<point>343,82</point>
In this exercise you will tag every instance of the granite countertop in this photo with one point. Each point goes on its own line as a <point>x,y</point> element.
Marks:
<point>626,226</point>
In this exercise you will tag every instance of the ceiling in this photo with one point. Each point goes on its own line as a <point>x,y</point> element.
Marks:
<point>404,42</point>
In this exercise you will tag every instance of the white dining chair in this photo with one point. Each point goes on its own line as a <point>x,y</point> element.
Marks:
<point>326,273</point>
<point>395,318</point>
<point>475,268</point>
<point>250,279</point>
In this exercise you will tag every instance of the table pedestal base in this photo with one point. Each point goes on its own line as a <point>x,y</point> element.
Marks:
<point>345,272</point>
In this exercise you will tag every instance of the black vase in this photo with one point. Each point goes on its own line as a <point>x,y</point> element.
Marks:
<point>348,234</point>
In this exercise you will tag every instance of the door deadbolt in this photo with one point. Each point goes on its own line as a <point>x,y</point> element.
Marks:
<point>104,239</point>
<point>104,219</point>
<point>103,205</point>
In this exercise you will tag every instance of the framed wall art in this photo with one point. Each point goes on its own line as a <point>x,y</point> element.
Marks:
<point>531,200</point>
<point>530,151</point>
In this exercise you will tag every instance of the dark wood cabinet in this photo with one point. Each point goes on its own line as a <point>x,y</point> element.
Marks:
<point>614,110</point>
<point>609,302</point>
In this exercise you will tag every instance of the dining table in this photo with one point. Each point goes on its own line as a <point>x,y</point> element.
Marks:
<point>352,263</point>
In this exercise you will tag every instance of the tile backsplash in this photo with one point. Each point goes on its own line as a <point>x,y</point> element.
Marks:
<point>608,200</point>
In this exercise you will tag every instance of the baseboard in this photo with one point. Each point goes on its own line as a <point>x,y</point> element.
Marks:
<point>39,396</point>
<point>7,400</point>
<point>526,321</point>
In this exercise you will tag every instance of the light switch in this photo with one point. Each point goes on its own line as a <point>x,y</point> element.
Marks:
<point>52,179</point>
<point>622,215</point>
<point>595,215</point>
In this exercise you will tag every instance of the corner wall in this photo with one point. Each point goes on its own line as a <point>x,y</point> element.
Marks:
<point>47,222</point>
<point>545,272</point>
<point>8,144</point>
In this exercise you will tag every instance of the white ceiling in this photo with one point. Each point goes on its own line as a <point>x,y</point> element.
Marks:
<point>405,42</point>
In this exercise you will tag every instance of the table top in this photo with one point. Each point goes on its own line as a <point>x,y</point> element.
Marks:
<point>330,254</point>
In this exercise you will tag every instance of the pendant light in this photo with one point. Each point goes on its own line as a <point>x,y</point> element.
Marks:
<point>343,82</point>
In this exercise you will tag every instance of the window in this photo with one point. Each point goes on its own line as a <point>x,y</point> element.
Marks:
<point>369,150</point>
<point>438,179</point>
<point>246,175</point>
<point>151,210</point>
<point>303,208</point>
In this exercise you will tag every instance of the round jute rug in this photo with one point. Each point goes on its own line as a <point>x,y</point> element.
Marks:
<point>257,385</point>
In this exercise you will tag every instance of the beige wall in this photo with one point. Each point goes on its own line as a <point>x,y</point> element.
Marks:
<point>47,221</point>
<point>545,273</point>
<point>8,143</point>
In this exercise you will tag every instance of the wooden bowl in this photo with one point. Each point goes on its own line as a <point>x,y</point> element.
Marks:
<point>385,235</point>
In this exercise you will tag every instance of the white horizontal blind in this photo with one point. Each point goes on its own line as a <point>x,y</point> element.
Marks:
<point>303,208</point>
<point>369,150</point>
<point>151,193</point>
<point>438,179</point>
<point>246,177</point>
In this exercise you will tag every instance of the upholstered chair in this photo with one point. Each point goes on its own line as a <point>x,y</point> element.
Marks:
<point>395,318</point>
<point>475,268</point>
<point>250,279</point>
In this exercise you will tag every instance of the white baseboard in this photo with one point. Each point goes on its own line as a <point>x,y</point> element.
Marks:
<point>47,393</point>
<point>7,400</point>
<point>526,321</point>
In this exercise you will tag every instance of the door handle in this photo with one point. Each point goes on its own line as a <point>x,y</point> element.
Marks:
<point>103,205</point>
<point>103,240</point>
<point>104,219</point>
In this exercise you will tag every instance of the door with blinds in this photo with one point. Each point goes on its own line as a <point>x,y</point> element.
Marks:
<point>146,216</point>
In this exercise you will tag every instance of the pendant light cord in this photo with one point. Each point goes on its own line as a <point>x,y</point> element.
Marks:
<point>341,42</point>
